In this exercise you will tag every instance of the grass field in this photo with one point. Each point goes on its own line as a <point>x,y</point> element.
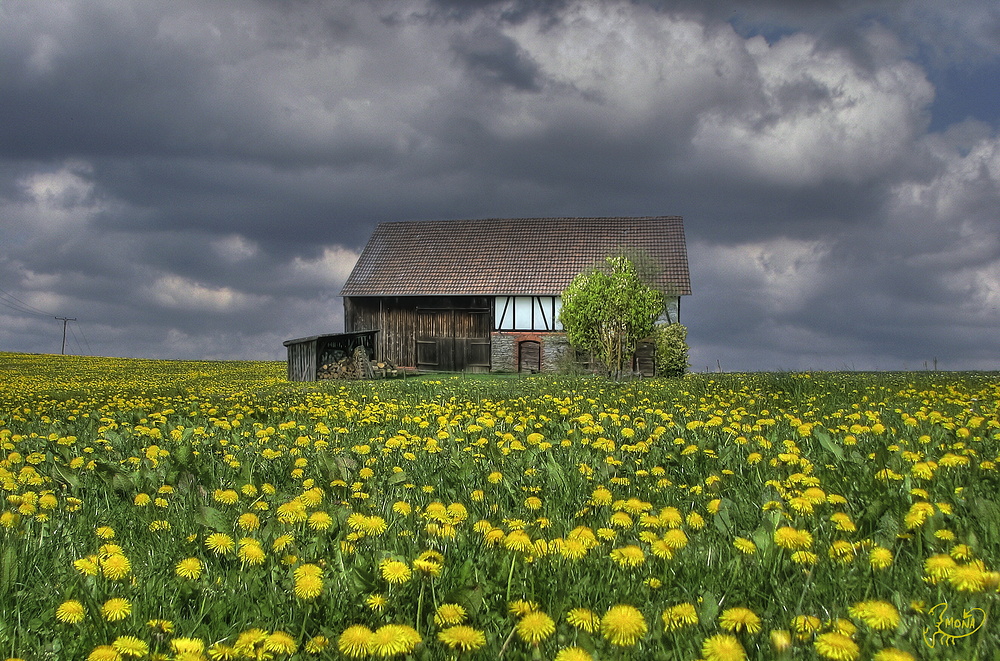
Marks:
<point>212,510</point>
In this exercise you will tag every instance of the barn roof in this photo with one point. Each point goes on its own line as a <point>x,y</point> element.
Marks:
<point>494,257</point>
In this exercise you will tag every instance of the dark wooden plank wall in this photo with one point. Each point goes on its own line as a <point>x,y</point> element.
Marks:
<point>396,342</point>
<point>466,319</point>
<point>302,361</point>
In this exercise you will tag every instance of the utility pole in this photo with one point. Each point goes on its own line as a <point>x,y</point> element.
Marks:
<point>65,320</point>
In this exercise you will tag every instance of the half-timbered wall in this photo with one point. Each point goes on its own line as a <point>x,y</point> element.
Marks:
<point>527,313</point>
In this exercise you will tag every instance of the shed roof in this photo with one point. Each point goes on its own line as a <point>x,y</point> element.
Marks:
<point>504,256</point>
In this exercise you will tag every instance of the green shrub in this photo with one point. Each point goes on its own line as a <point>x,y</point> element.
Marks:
<point>671,350</point>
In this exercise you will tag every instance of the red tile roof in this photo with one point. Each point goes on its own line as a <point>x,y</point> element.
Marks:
<point>495,257</point>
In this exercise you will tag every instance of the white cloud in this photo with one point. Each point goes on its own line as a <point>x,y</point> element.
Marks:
<point>57,200</point>
<point>330,269</point>
<point>174,291</point>
<point>779,276</point>
<point>817,115</point>
<point>235,248</point>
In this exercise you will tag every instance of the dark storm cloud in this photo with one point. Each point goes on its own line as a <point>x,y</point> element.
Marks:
<point>495,59</point>
<point>196,179</point>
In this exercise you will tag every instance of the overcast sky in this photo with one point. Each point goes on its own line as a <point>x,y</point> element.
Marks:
<point>195,179</point>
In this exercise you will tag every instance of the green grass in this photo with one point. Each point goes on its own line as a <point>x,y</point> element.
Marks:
<point>731,454</point>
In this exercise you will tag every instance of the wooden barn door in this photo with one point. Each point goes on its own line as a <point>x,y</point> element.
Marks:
<point>453,340</point>
<point>473,340</point>
<point>529,356</point>
<point>435,350</point>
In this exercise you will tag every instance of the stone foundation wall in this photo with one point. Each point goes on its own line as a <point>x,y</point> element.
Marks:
<point>504,349</point>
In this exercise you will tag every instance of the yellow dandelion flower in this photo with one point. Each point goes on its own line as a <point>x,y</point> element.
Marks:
<point>161,626</point>
<point>308,586</point>
<point>226,496</point>
<point>876,614</point>
<point>251,553</point>
<point>395,571</point>
<point>220,543</point>
<point>223,652</point>
<point>801,505</point>
<point>601,496</point>
<point>392,639</point>
<point>628,556</point>
<point>583,619</point>
<point>87,566</point>
<point>781,640</point>
<point>695,520</point>
<point>105,532</point>
<point>675,539</point>
<point>320,520</point>
<point>372,525</point>
<point>880,557</point>
<point>620,520</point>
<point>970,577</point>
<point>316,644</point>
<point>189,568</point>
<point>723,647</point>
<point>939,567</point>
<point>918,514</point>
<point>961,552</point>
<point>282,542</point>
<point>836,646</point>
<point>789,538</point>
<point>115,609</point>
<point>623,625</point>
<point>248,522</point>
<point>740,619</point>
<point>462,638</point>
<point>115,566</point>
<point>427,566</point>
<point>280,642</point>
<point>251,641</point>
<point>535,627</point>
<point>449,614</point>
<point>893,654</point>
<point>744,545</point>
<point>521,607</point>
<point>843,522</point>
<point>573,654</point>
<point>573,549</point>
<point>355,641</point>
<point>805,558</point>
<point>130,646</point>
<point>104,653</point>
<point>805,625</point>
<point>376,602</point>
<point>519,542</point>
<point>681,615</point>
<point>71,612</point>
<point>846,627</point>
<point>292,512</point>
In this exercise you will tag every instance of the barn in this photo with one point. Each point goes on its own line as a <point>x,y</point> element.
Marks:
<point>484,295</point>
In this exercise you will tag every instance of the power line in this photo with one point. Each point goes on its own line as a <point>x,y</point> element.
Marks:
<point>12,302</point>
<point>21,306</point>
<point>90,352</point>
<point>79,348</point>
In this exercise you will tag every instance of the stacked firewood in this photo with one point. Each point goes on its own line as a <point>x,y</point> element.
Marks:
<point>357,366</point>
